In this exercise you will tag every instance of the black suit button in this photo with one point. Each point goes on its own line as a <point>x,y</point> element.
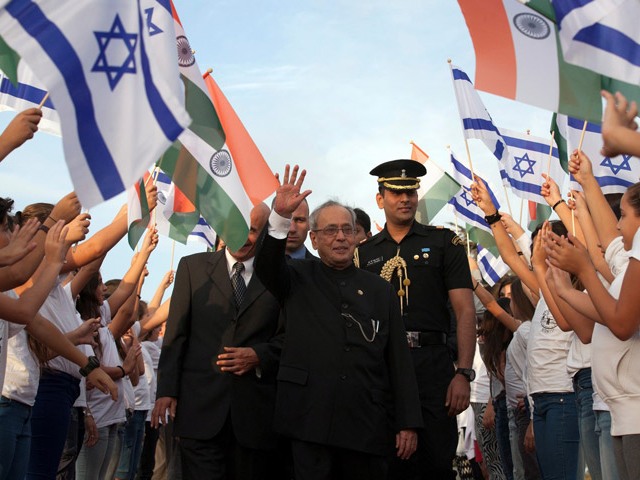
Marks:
<point>343,284</point>
<point>345,305</point>
<point>347,349</point>
<point>343,377</point>
<point>349,324</point>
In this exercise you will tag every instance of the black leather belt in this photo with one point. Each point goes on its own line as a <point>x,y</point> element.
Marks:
<point>422,339</point>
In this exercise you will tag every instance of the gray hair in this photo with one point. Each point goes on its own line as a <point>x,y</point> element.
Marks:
<point>313,218</point>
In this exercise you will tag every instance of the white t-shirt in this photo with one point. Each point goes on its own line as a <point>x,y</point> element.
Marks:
<point>153,349</point>
<point>145,383</point>
<point>480,392</point>
<point>23,371</point>
<point>516,364</point>
<point>7,330</point>
<point>615,366</point>
<point>59,308</point>
<point>547,353</point>
<point>105,411</point>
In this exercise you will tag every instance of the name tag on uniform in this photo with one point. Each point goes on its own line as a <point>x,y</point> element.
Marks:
<point>373,261</point>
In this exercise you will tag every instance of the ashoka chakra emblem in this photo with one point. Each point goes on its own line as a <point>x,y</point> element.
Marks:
<point>162,198</point>
<point>220,163</point>
<point>185,54</point>
<point>532,25</point>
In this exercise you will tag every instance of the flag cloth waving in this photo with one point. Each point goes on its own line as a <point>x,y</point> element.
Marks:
<point>119,109</point>
<point>176,216</point>
<point>614,175</point>
<point>528,159</point>
<point>601,35</point>
<point>215,162</point>
<point>492,268</point>
<point>436,188</point>
<point>518,57</point>
<point>462,201</point>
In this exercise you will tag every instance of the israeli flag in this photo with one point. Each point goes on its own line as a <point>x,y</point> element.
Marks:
<point>114,84</point>
<point>476,121</point>
<point>462,202</point>
<point>614,175</point>
<point>491,268</point>
<point>528,159</point>
<point>601,35</point>
<point>203,233</point>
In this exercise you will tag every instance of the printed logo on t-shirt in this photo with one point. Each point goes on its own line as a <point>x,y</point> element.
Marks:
<point>548,322</point>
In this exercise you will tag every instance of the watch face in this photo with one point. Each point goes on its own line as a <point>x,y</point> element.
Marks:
<point>472,374</point>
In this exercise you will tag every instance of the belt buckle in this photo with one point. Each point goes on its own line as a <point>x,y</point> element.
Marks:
<point>413,339</point>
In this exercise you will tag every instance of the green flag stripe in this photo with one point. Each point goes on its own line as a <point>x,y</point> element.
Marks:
<point>211,200</point>
<point>9,62</point>
<point>437,197</point>
<point>182,224</point>
<point>205,122</point>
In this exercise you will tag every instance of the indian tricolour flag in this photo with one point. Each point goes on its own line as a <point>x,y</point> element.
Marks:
<point>436,187</point>
<point>518,56</point>
<point>215,162</point>
<point>138,213</point>
<point>175,216</point>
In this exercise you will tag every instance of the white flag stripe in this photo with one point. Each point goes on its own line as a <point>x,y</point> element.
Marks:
<point>120,112</point>
<point>602,35</point>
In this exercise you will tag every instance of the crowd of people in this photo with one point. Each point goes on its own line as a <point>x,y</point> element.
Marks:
<point>379,356</point>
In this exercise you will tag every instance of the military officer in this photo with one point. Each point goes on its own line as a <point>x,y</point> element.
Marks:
<point>428,268</point>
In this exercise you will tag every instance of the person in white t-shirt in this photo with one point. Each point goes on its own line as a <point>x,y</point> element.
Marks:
<point>616,338</point>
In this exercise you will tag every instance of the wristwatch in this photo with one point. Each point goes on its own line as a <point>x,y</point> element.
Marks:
<point>468,373</point>
<point>91,365</point>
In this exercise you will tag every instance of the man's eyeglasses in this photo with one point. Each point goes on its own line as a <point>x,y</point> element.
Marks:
<point>332,231</point>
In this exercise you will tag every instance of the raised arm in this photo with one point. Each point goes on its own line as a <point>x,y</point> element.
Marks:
<point>506,248</point>
<point>22,128</point>
<point>619,126</point>
<point>551,193</point>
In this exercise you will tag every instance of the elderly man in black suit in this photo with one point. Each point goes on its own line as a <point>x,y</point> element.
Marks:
<point>217,369</point>
<point>347,395</point>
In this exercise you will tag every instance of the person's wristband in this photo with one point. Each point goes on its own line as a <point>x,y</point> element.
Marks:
<point>494,218</point>
<point>54,220</point>
<point>44,228</point>
<point>476,286</point>
<point>557,203</point>
<point>122,370</point>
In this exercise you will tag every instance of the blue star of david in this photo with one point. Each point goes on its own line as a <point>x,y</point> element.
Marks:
<point>128,40</point>
<point>624,165</point>
<point>153,28</point>
<point>518,165</point>
<point>464,195</point>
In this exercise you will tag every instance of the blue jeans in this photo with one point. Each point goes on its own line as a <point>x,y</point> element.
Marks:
<point>93,461</point>
<point>131,446</point>
<point>50,421</point>
<point>583,389</point>
<point>607,458</point>
<point>15,438</point>
<point>502,434</point>
<point>555,426</point>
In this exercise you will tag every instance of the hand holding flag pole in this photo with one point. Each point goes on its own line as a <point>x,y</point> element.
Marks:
<point>573,213</point>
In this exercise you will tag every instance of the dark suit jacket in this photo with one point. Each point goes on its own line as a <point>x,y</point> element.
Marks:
<point>202,320</point>
<point>338,383</point>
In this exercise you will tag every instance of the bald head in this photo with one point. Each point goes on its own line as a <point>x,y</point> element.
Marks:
<point>258,218</point>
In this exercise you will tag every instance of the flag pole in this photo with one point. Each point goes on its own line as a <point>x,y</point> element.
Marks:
<point>42,102</point>
<point>521,209</point>
<point>173,249</point>
<point>466,143</point>
<point>573,212</point>
<point>553,134</point>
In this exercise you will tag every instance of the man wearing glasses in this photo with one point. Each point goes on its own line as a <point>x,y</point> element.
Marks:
<point>347,396</point>
<point>428,268</point>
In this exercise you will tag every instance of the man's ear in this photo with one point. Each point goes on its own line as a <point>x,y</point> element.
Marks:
<point>314,242</point>
<point>380,200</point>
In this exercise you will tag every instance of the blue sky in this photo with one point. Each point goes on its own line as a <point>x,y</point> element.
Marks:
<point>337,87</point>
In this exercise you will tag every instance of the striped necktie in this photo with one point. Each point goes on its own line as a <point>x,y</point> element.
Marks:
<point>239,287</point>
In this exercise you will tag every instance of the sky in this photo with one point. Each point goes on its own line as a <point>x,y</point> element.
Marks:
<point>336,87</point>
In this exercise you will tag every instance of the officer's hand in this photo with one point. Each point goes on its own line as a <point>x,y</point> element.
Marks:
<point>238,360</point>
<point>458,395</point>
<point>406,443</point>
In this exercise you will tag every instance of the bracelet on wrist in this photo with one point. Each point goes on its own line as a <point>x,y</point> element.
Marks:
<point>54,220</point>
<point>557,203</point>
<point>476,286</point>
<point>494,218</point>
<point>124,374</point>
<point>44,228</point>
